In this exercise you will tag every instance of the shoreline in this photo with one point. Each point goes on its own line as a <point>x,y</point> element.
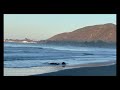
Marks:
<point>103,69</point>
<point>50,70</point>
<point>109,70</point>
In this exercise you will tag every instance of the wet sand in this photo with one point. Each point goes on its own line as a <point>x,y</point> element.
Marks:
<point>95,69</point>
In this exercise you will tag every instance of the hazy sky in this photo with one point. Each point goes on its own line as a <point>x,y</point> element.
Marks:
<point>43,26</point>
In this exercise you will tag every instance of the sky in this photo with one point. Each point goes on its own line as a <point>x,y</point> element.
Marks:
<point>44,26</point>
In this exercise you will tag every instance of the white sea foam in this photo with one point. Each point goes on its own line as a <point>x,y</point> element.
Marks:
<point>29,71</point>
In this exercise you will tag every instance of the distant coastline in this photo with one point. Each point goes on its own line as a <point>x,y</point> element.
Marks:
<point>26,40</point>
<point>70,43</point>
<point>104,33</point>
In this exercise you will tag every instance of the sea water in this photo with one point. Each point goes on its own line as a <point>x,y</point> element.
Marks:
<point>30,55</point>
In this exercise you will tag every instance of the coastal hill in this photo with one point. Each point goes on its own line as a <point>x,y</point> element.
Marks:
<point>103,32</point>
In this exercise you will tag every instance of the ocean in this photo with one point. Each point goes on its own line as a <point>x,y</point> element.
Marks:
<point>31,55</point>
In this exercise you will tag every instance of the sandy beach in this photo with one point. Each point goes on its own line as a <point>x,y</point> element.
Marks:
<point>85,71</point>
<point>90,69</point>
<point>95,69</point>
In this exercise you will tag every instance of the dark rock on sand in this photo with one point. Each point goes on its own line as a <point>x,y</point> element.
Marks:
<point>54,63</point>
<point>63,64</point>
